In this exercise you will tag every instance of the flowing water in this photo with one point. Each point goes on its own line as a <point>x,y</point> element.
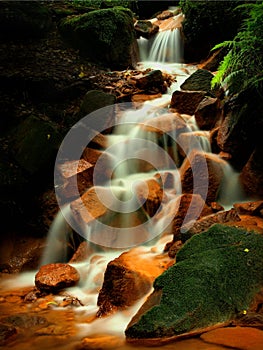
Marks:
<point>137,156</point>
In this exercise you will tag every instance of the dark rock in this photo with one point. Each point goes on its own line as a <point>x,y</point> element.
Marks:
<point>200,80</point>
<point>77,177</point>
<point>105,36</point>
<point>213,140</point>
<point>23,20</point>
<point>203,224</point>
<point>54,277</point>
<point>207,114</point>
<point>36,142</point>
<point>6,332</point>
<point>186,208</point>
<point>26,321</point>
<point>239,133</point>
<point>213,61</point>
<point>164,15</point>
<point>18,254</point>
<point>202,173</point>
<point>82,253</point>
<point>146,29</point>
<point>149,80</point>
<point>252,174</point>
<point>131,271</point>
<point>249,208</point>
<point>95,100</point>
<point>186,101</point>
<point>150,195</point>
<point>216,277</point>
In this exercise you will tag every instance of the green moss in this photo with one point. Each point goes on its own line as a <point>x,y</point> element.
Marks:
<point>216,276</point>
<point>104,34</point>
<point>242,66</point>
<point>207,23</point>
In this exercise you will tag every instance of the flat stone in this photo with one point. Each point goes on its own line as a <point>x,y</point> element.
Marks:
<point>54,277</point>
<point>243,338</point>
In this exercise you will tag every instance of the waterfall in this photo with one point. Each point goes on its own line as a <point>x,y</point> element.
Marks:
<point>147,145</point>
<point>166,46</point>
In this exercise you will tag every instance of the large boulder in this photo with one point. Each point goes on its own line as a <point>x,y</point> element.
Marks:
<point>186,101</point>
<point>252,174</point>
<point>240,131</point>
<point>200,80</point>
<point>134,271</point>
<point>202,173</point>
<point>207,113</point>
<point>35,144</point>
<point>105,36</point>
<point>94,100</point>
<point>215,279</point>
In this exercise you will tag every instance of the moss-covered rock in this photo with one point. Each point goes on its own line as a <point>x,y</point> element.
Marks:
<point>106,36</point>
<point>207,23</point>
<point>35,144</point>
<point>216,277</point>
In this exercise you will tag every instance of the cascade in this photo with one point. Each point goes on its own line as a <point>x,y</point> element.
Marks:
<point>166,46</point>
<point>141,149</point>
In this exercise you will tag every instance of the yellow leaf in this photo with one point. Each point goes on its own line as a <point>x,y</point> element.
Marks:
<point>81,74</point>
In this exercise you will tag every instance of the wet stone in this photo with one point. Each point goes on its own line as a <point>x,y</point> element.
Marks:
<point>54,277</point>
<point>6,332</point>
<point>243,338</point>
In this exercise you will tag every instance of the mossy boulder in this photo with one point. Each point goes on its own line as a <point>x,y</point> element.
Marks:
<point>106,36</point>
<point>206,24</point>
<point>35,144</point>
<point>215,278</point>
<point>23,20</point>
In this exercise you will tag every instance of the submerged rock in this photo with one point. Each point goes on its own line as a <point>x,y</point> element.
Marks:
<point>7,333</point>
<point>216,277</point>
<point>54,277</point>
<point>243,338</point>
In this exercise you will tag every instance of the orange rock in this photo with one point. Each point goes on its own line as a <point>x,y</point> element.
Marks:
<point>150,196</point>
<point>128,278</point>
<point>203,173</point>
<point>73,171</point>
<point>54,277</point>
<point>243,338</point>
<point>88,207</point>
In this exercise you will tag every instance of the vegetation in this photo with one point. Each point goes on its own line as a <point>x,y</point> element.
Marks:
<point>215,279</point>
<point>242,67</point>
<point>104,35</point>
<point>99,4</point>
<point>208,23</point>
